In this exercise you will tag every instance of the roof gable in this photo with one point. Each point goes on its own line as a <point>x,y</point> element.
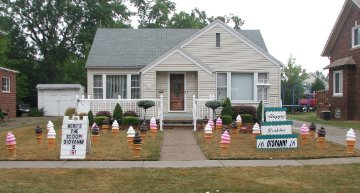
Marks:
<point>240,36</point>
<point>345,10</point>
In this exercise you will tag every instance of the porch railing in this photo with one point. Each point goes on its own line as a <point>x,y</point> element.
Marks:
<point>96,105</point>
<point>200,110</point>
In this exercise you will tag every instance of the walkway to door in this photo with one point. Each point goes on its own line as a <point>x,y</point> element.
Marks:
<point>180,145</point>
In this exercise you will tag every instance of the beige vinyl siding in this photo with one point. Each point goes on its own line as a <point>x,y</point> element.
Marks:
<point>233,55</point>
<point>107,71</point>
<point>148,85</point>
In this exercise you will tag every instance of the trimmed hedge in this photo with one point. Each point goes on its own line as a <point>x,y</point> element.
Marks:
<point>247,118</point>
<point>103,113</point>
<point>226,119</point>
<point>35,112</point>
<point>238,110</point>
<point>91,117</point>
<point>227,110</point>
<point>130,120</point>
<point>100,119</point>
<point>131,113</point>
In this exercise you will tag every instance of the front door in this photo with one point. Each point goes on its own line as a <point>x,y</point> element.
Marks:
<point>177,92</point>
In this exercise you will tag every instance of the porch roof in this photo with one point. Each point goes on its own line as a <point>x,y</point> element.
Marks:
<point>341,62</point>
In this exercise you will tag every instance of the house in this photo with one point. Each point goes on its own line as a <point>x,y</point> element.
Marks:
<point>181,63</point>
<point>311,80</point>
<point>343,50</point>
<point>8,91</point>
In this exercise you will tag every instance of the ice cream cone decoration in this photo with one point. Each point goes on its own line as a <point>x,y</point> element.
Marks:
<point>238,121</point>
<point>218,124</point>
<point>256,131</point>
<point>304,133</point>
<point>137,145</point>
<point>115,128</point>
<point>211,123</point>
<point>11,144</point>
<point>350,141</point>
<point>51,138</point>
<point>225,142</point>
<point>95,133</point>
<point>321,137</point>
<point>208,133</point>
<point>312,129</point>
<point>130,136</point>
<point>234,128</point>
<point>153,127</point>
<point>49,125</point>
<point>38,134</point>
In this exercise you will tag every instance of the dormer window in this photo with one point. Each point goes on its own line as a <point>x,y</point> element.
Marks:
<point>218,40</point>
<point>356,36</point>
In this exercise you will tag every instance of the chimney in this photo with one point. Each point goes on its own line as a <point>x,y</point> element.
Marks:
<point>221,18</point>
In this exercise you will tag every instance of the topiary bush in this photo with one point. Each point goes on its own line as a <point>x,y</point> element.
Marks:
<point>131,113</point>
<point>145,104</point>
<point>247,118</point>
<point>100,119</point>
<point>251,110</point>
<point>259,112</point>
<point>227,110</point>
<point>35,112</point>
<point>214,104</point>
<point>130,120</point>
<point>103,113</point>
<point>118,113</point>
<point>70,112</point>
<point>226,119</point>
<point>91,117</point>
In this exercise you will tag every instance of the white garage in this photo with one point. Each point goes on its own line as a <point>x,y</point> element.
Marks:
<point>56,98</point>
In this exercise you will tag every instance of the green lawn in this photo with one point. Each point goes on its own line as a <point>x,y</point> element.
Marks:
<point>333,178</point>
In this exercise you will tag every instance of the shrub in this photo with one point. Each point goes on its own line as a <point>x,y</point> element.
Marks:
<point>2,116</point>
<point>227,110</point>
<point>247,118</point>
<point>91,117</point>
<point>259,112</point>
<point>131,113</point>
<point>130,120</point>
<point>118,113</point>
<point>100,119</point>
<point>226,119</point>
<point>70,112</point>
<point>35,112</point>
<point>103,113</point>
<point>238,110</point>
<point>145,104</point>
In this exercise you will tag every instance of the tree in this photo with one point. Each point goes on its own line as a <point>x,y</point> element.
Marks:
<point>292,78</point>
<point>153,13</point>
<point>237,21</point>
<point>227,109</point>
<point>317,85</point>
<point>196,20</point>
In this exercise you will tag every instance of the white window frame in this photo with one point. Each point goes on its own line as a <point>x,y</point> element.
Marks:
<point>226,87</point>
<point>341,83</point>
<point>134,87</point>
<point>353,45</point>
<point>5,84</point>
<point>102,85</point>
<point>266,97</point>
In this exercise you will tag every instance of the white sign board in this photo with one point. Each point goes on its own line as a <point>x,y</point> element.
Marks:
<point>276,129</point>
<point>74,138</point>
<point>275,116</point>
<point>276,142</point>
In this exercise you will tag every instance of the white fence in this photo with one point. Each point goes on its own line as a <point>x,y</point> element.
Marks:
<point>200,110</point>
<point>96,105</point>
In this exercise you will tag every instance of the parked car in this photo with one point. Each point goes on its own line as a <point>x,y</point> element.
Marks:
<point>307,105</point>
<point>24,108</point>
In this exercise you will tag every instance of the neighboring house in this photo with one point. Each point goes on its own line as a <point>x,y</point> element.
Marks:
<point>182,63</point>
<point>8,91</point>
<point>343,50</point>
<point>311,80</point>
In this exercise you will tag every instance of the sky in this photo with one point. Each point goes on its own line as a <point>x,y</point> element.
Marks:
<point>289,27</point>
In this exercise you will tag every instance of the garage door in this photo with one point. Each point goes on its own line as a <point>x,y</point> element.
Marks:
<point>56,102</point>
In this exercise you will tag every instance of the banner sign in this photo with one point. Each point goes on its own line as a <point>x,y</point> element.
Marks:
<point>276,128</point>
<point>74,138</point>
<point>276,141</point>
<point>275,116</point>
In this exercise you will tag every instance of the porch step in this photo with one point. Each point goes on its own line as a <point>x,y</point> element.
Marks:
<point>178,124</point>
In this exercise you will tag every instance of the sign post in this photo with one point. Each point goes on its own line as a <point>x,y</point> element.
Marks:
<point>74,138</point>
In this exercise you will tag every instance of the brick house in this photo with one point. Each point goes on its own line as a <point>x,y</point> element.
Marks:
<point>8,91</point>
<point>343,51</point>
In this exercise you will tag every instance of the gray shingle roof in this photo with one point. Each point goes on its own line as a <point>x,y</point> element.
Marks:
<point>136,48</point>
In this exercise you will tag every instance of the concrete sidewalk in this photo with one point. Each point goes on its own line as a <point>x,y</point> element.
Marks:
<point>174,164</point>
